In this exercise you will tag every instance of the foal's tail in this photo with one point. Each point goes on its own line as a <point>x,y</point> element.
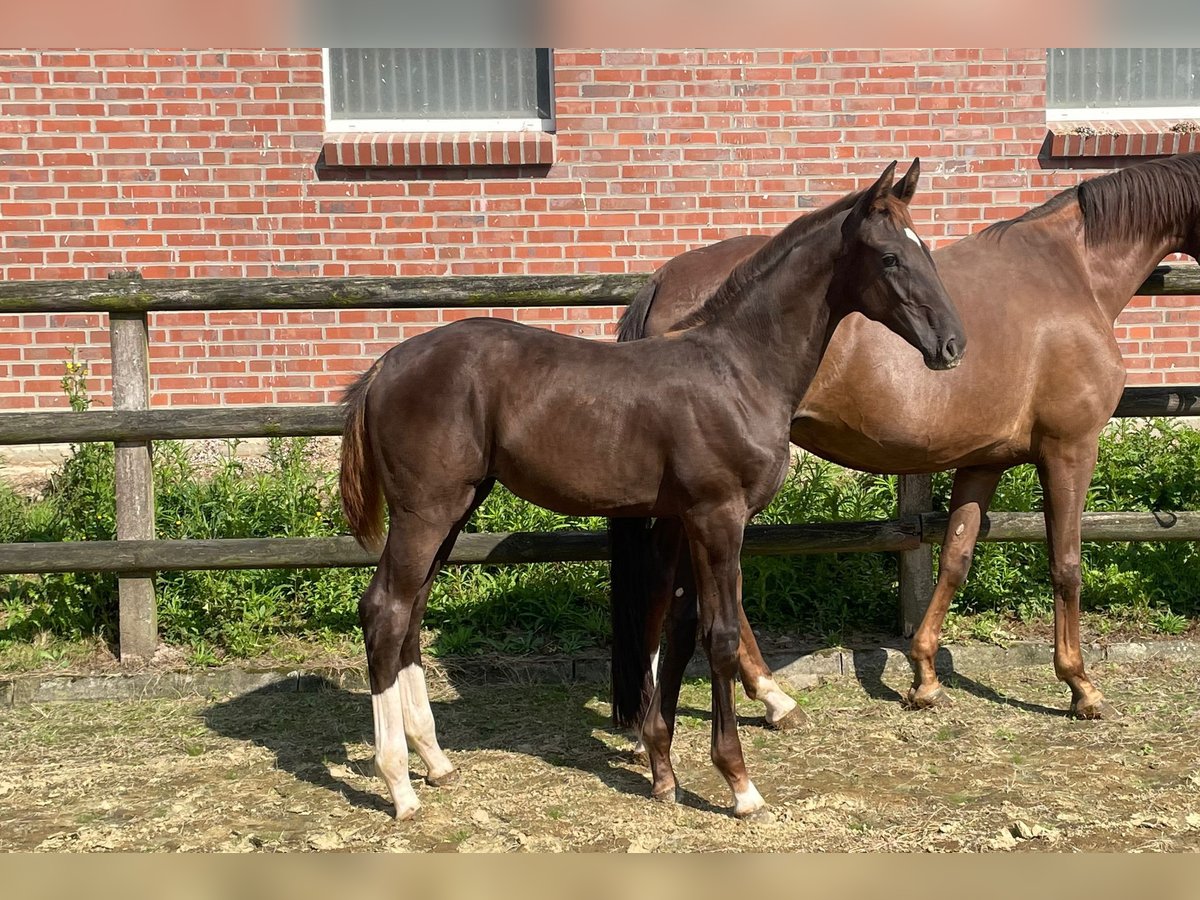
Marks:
<point>362,497</point>
<point>630,546</point>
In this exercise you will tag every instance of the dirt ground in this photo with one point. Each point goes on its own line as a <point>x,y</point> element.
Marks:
<point>1002,768</point>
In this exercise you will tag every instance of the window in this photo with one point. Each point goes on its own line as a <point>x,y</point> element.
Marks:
<point>438,90</point>
<point>1122,83</point>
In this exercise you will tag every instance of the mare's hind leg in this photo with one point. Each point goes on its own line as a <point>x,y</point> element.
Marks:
<point>782,712</point>
<point>658,727</point>
<point>1066,471</point>
<point>969,500</point>
<point>419,726</point>
<point>670,559</point>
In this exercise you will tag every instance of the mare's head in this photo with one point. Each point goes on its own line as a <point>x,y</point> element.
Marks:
<point>887,274</point>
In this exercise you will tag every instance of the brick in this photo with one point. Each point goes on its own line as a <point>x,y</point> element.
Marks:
<point>216,163</point>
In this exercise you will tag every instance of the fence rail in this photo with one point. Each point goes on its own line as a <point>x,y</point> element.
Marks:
<point>127,292</point>
<point>326,419</point>
<point>135,556</point>
<point>516,548</point>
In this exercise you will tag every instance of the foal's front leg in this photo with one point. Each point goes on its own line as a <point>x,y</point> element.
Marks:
<point>715,538</point>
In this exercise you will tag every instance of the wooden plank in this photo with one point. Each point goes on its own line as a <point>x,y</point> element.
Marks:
<point>916,566</point>
<point>134,484</point>
<point>413,292</point>
<point>1097,527</point>
<point>471,548</point>
<point>565,546</point>
<point>1176,400</point>
<point>1178,279</point>
<point>198,422</point>
<point>189,423</point>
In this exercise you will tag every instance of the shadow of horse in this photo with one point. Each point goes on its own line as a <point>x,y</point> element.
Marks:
<point>311,732</point>
<point>870,665</point>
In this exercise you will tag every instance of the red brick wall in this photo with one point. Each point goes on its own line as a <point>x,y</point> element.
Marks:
<point>206,164</point>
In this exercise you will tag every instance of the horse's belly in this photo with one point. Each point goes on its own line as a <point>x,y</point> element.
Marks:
<point>577,496</point>
<point>922,425</point>
<point>900,451</point>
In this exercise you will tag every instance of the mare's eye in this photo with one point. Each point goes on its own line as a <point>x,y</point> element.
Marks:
<point>889,260</point>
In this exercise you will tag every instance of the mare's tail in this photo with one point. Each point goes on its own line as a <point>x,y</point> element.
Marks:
<point>631,572</point>
<point>362,497</point>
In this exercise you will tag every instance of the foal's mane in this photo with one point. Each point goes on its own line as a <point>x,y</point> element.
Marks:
<point>1145,199</point>
<point>764,261</point>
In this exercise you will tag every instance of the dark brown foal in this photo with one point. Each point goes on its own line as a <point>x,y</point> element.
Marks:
<point>1038,295</point>
<point>691,427</point>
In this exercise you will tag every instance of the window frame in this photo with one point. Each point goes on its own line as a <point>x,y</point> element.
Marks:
<point>1114,113</point>
<point>514,124</point>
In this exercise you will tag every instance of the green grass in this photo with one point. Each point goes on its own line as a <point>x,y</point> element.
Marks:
<point>563,607</point>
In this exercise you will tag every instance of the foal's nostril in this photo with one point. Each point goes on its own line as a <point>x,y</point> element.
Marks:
<point>950,349</point>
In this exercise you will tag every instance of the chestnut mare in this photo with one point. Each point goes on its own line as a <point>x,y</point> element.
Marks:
<point>692,426</point>
<point>1038,296</point>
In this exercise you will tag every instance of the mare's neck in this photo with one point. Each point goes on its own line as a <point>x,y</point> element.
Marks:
<point>779,327</point>
<point>1117,269</point>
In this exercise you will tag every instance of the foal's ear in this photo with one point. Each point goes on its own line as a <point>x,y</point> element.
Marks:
<point>875,197</point>
<point>906,187</point>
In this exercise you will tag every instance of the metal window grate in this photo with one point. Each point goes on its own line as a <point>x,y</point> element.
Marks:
<point>439,83</point>
<point>1110,77</point>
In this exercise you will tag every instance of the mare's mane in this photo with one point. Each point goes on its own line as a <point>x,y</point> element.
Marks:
<point>1146,199</point>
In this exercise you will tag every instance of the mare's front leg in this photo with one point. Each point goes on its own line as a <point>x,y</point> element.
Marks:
<point>715,538</point>
<point>1066,471</point>
<point>969,500</point>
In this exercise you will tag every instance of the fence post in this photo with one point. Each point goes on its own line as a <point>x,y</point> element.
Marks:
<point>130,341</point>
<point>915,493</point>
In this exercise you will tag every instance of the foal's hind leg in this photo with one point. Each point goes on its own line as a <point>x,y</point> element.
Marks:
<point>419,726</point>
<point>386,613</point>
<point>969,500</point>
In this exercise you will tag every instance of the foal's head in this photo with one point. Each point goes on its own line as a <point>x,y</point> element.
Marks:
<point>887,274</point>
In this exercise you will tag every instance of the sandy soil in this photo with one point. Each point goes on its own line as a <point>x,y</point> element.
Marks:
<point>1002,768</point>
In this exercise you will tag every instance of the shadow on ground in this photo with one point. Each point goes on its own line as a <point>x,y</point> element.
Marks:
<point>309,734</point>
<point>869,667</point>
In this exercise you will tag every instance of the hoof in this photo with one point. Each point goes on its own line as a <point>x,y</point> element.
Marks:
<point>406,812</point>
<point>1099,709</point>
<point>797,718</point>
<point>670,795</point>
<point>760,816</point>
<point>442,780</point>
<point>919,698</point>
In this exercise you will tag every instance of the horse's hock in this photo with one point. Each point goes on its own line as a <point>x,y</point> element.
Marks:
<point>132,426</point>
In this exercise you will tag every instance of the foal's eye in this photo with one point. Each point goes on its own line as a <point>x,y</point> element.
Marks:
<point>889,260</point>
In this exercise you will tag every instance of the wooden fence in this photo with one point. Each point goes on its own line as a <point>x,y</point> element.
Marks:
<point>131,425</point>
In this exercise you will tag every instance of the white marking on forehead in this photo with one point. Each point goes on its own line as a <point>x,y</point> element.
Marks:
<point>912,236</point>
